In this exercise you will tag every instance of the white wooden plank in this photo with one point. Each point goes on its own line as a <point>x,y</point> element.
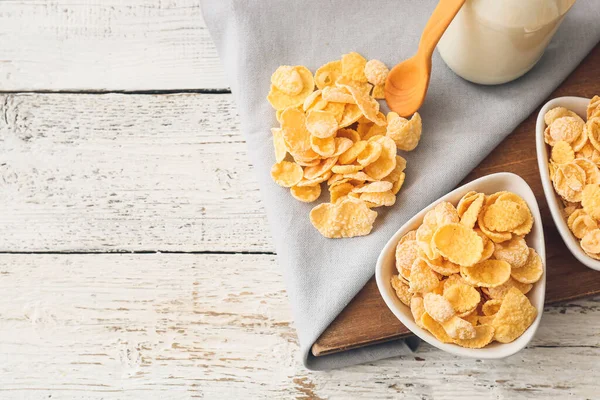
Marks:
<point>174,326</point>
<point>126,172</point>
<point>106,45</point>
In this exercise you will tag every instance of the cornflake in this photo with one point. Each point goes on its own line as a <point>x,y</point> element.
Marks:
<point>465,276</point>
<point>332,130</point>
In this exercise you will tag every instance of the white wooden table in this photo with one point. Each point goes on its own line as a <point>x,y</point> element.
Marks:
<point>135,256</point>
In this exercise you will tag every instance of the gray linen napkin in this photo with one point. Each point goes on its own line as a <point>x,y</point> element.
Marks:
<point>462,123</point>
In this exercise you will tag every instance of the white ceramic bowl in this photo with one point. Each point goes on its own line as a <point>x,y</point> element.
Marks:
<point>386,267</point>
<point>579,106</point>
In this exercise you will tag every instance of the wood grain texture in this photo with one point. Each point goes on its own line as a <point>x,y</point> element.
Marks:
<point>126,173</point>
<point>367,319</point>
<point>179,326</point>
<point>106,45</point>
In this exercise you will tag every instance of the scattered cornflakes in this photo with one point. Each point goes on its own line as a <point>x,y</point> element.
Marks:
<point>336,133</point>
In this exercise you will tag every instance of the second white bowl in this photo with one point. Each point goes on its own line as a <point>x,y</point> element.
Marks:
<point>578,105</point>
<point>386,267</point>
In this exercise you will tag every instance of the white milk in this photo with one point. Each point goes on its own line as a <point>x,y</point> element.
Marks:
<point>496,41</point>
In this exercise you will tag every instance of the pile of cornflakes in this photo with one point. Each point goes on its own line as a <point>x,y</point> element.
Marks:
<point>465,271</point>
<point>337,134</point>
<point>573,166</point>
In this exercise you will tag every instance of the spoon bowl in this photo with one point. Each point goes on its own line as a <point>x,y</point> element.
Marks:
<point>407,83</point>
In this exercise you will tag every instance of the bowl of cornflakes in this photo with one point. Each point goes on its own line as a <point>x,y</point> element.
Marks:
<point>568,150</point>
<point>467,273</point>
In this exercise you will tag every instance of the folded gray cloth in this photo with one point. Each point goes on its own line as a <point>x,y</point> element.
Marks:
<point>462,123</point>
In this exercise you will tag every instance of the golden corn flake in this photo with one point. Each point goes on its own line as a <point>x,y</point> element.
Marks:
<point>337,95</point>
<point>311,101</point>
<point>565,129</point>
<point>470,209</point>
<point>462,297</point>
<point>496,237</point>
<point>513,318</point>
<point>342,144</point>
<point>514,251</point>
<point>590,243</point>
<point>349,134</point>
<point>438,307</point>
<point>374,187</point>
<point>592,128</point>
<point>562,153</point>
<point>405,133</point>
<point>458,328</point>
<point>503,216</point>
<point>353,67</point>
<point>435,328</point>
<point>411,235</point>
<point>346,169</point>
<point>406,255</point>
<point>386,162</point>
<point>593,108</point>
<point>425,241</point>
<point>321,124</point>
<point>325,147</point>
<point>320,169</point>
<point>350,155</point>
<point>376,72</point>
<point>287,79</point>
<point>488,249</point>
<point>590,200</point>
<point>445,213</point>
<point>280,99</point>
<point>491,307</point>
<point>278,144</point>
<point>347,218</point>
<point>489,273</point>
<point>401,290</point>
<point>499,292</point>
<point>295,134</point>
<point>592,173</point>
<point>367,105</point>
<point>314,181</point>
<point>350,115</point>
<point>532,271</point>
<point>422,278</point>
<point>557,113</point>
<point>306,194</point>
<point>442,266</point>
<point>286,174</point>
<point>339,191</point>
<point>379,199</point>
<point>582,225</point>
<point>417,309</point>
<point>378,92</point>
<point>458,244</point>
<point>484,334</point>
<point>328,74</point>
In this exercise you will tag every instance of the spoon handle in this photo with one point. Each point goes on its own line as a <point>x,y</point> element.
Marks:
<point>443,14</point>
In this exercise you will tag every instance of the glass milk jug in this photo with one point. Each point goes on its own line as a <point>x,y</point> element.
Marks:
<point>496,41</point>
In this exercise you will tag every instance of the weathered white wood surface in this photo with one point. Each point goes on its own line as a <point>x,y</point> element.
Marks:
<point>106,45</point>
<point>104,173</point>
<point>218,327</point>
<point>88,172</point>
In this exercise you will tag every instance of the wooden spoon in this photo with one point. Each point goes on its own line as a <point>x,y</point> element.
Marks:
<point>407,82</point>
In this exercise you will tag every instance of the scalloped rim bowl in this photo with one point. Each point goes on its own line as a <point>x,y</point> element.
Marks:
<point>579,106</point>
<point>386,267</point>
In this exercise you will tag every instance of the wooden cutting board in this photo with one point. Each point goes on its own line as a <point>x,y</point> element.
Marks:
<point>367,320</point>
